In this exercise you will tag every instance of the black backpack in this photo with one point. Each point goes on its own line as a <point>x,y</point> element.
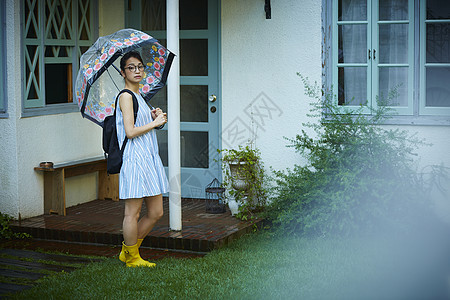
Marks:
<point>113,154</point>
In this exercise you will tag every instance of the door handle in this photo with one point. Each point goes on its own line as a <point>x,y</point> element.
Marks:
<point>212,98</point>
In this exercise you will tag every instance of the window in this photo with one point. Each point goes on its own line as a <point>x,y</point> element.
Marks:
<point>55,34</point>
<point>380,46</point>
<point>3,103</point>
<point>435,57</point>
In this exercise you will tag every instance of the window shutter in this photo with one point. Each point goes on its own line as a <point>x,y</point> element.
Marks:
<point>33,54</point>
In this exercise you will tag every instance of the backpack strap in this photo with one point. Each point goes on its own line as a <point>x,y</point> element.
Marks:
<point>135,102</point>
<point>135,111</point>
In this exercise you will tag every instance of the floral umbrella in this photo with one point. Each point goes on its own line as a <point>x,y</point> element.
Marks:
<point>97,84</point>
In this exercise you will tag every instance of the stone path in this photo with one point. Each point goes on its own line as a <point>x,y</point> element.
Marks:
<point>19,269</point>
<point>22,262</point>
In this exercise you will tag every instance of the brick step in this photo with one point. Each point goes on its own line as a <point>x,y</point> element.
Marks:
<point>100,222</point>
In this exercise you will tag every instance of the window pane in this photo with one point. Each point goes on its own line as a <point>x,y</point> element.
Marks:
<point>162,145</point>
<point>352,43</point>
<point>194,57</point>
<point>352,10</point>
<point>57,51</point>
<point>393,86</point>
<point>393,43</point>
<point>160,99</point>
<point>438,43</point>
<point>32,72</point>
<point>193,14</point>
<point>438,9</point>
<point>84,19</point>
<point>153,15</point>
<point>352,86</point>
<point>194,149</point>
<point>58,83</point>
<point>58,20</point>
<point>437,86</point>
<point>194,103</point>
<point>393,10</point>
<point>31,19</point>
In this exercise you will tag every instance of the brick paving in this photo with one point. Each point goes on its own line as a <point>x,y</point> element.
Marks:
<point>100,222</point>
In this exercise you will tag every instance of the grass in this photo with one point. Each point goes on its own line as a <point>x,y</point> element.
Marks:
<point>260,266</point>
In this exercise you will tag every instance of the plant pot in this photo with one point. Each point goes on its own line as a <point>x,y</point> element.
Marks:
<point>237,180</point>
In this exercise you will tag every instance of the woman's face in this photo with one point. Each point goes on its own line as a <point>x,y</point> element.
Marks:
<point>134,70</point>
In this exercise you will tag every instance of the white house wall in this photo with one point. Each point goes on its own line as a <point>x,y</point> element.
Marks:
<point>437,153</point>
<point>9,176</point>
<point>260,59</point>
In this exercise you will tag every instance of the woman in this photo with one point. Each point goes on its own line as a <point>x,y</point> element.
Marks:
<point>142,176</point>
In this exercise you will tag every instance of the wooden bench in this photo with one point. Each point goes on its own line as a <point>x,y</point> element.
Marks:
<point>54,182</point>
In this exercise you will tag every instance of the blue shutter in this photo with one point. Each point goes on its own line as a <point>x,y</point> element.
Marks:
<point>33,54</point>
<point>54,32</point>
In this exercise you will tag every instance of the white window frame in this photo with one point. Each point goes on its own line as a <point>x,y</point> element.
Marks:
<point>423,109</point>
<point>415,115</point>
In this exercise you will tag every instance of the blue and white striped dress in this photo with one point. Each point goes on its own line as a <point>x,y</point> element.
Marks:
<point>142,173</point>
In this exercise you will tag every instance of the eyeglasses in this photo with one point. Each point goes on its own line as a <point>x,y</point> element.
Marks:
<point>132,68</point>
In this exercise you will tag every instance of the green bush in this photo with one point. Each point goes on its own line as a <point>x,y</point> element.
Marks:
<point>359,176</point>
<point>5,229</point>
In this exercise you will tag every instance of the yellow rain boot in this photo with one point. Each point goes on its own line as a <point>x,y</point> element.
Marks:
<point>132,257</point>
<point>122,253</point>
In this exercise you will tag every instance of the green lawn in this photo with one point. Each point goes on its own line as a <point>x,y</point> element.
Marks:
<point>259,266</point>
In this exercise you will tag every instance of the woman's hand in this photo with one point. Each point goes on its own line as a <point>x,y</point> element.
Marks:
<point>160,120</point>
<point>156,112</point>
<point>126,106</point>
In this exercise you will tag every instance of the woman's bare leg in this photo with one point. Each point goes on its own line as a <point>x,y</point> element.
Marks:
<point>130,221</point>
<point>155,211</point>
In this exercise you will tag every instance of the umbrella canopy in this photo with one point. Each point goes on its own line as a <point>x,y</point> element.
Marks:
<point>99,79</point>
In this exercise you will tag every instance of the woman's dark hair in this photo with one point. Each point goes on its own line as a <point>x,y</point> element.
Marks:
<point>126,56</point>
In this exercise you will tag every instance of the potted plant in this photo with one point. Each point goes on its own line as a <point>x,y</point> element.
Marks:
<point>244,178</point>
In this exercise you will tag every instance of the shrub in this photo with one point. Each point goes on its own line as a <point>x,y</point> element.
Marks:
<point>359,176</point>
<point>5,229</point>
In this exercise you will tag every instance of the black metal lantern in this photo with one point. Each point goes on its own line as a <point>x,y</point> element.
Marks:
<point>214,198</point>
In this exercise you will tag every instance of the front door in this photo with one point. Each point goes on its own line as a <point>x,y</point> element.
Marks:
<point>199,85</point>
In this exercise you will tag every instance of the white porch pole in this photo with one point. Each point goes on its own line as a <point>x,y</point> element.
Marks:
<point>173,108</point>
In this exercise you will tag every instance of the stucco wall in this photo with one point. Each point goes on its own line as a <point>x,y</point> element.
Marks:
<point>58,138</point>
<point>437,153</point>
<point>8,141</point>
<point>260,59</point>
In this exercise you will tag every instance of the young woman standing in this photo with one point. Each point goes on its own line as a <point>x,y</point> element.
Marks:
<point>142,176</point>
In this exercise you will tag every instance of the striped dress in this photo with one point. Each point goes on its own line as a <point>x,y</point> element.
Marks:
<point>142,173</point>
